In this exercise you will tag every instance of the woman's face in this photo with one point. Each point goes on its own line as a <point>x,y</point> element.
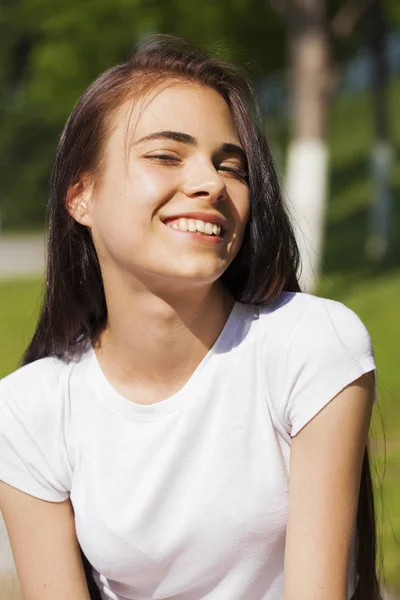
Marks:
<point>172,206</point>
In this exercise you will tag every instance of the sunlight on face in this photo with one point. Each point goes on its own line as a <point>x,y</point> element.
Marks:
<point>183,168</point>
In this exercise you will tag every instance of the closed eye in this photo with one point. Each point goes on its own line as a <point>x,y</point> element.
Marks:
<point>165,157</point>
<point>239,172</point>
<point>170,159</point>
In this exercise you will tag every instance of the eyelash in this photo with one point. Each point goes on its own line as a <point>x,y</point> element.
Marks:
<point>242,174</point>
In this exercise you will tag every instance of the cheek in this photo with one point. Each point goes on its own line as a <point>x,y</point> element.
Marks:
<point>117,224</point>
<point>242,207</point>
<point>131,204</point>
<point>247,208</point>
<point>149,185</point>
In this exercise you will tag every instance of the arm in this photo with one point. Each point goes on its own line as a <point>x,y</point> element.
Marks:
<point>44,545</point>
<point>325,472</point>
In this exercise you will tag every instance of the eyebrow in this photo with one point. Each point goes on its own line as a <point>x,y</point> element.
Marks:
<point>185,138</point>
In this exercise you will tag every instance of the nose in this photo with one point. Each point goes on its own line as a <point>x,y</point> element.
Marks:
<point>204,181</point>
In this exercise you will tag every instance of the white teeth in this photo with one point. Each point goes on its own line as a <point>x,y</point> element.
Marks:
<point>200,226</point>
<point>184,224</point>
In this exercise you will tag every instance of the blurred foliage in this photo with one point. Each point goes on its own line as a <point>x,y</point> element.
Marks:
<point>393,11</point>
<point>50,51</point>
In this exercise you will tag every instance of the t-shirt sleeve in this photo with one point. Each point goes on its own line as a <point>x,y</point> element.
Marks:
<point>328,348</point>
<point>33,455</point>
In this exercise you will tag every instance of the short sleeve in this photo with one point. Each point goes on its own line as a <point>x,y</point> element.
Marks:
<point>328,348</point>
<point>32,450</point>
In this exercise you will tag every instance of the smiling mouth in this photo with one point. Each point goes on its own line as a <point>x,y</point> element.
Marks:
<point>204,228</point>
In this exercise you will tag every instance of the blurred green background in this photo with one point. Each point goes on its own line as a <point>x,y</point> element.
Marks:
<point>49,53</point>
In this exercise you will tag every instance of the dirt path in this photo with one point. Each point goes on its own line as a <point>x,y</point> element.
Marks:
<point>21,255</point>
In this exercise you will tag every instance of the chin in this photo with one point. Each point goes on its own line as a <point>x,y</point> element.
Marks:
<point>195,277</point>
<point>202,274</point>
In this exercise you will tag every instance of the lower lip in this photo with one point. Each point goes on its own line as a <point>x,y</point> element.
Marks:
<point>194,235</point>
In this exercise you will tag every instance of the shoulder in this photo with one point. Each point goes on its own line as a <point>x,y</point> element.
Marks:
<point>300,319</point>
<point>285,311</point>
<point>40,380</point>
<point>312,349</point>
<point>295,305</point>
<point>35,429</point>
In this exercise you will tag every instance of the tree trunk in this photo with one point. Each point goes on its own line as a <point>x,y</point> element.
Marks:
<point>379,237</point>
<point>306,178</point>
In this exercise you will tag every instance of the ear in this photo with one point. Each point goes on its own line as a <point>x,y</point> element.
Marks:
<point>78,202</point>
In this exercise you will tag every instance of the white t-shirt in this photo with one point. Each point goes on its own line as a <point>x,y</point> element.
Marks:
<point>186,498</point>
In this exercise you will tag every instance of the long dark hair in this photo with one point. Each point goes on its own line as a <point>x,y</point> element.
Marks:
<point>74,309</point>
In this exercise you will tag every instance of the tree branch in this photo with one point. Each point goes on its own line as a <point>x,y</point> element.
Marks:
<point>347,17</point>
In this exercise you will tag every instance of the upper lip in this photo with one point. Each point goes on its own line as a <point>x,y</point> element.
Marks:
<point>201,216</point>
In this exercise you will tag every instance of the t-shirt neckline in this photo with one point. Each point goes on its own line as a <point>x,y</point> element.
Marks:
<point>192,389</point>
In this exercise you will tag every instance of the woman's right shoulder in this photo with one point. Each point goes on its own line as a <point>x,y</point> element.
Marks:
<point>35,428</point>
<point>42,378</point>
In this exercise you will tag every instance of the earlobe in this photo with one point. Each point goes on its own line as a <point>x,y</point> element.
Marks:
<point>78,203</point>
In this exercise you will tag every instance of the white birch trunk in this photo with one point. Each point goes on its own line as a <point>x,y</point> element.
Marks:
<point>307,164</point>
<point>306,188</point>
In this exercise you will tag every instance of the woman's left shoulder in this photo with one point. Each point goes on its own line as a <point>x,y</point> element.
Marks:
<point>326,319</point>
<point>313,348</point>
<point>305,316</point>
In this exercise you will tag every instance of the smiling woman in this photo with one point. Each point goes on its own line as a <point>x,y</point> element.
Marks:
<point>170,177</point>
<point>186,423</point>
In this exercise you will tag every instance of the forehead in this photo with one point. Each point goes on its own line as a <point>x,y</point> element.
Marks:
<point>184,107</point>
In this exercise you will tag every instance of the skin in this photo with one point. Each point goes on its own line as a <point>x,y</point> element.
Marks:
<point>325,471</point>
<point>166,305</point>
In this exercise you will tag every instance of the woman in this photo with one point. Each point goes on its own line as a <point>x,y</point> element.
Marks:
<point>186,423</point>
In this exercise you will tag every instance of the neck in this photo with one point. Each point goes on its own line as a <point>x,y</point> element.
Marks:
<point>153,343</point>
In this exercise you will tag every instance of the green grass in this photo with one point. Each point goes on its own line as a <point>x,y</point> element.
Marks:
<point>19,306</point>
<point>372,292</point>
